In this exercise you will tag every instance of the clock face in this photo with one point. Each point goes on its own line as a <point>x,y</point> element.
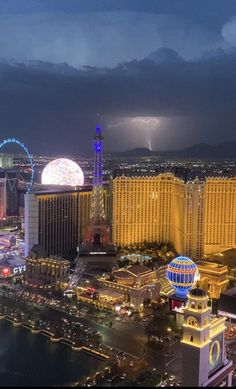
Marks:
<point>215,353</point>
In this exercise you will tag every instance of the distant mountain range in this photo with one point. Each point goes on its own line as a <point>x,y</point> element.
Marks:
<point>201,150</point>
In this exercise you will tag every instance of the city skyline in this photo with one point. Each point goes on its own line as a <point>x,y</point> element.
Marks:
<point>125,60</point>
<point>117,270</point>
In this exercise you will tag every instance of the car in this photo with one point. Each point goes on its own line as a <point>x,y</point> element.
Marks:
<point>131,363</point>
<point>115,378</point>
<point>171,377</point>
<point>107,371</point>
<point>123,377</point>
<point>91,383</point>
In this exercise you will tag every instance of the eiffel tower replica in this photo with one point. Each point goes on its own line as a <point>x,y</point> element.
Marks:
<point>97,237</point>
<point>96,250</point>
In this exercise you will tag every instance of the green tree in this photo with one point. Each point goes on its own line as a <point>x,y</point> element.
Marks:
<point>161,326</point>
<point>148,379</point>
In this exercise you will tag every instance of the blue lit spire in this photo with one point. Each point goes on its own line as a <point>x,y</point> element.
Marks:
<point>98,148</point>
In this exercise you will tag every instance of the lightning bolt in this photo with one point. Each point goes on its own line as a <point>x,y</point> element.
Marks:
<point>152,121</point>
<point>148,124</point>
<point>120,123</point>
<point>149,144</point>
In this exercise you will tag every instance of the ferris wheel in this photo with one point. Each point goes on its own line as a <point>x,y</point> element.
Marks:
<point>26,151</point>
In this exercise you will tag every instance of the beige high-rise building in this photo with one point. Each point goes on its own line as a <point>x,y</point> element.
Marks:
<point>194,219</point>
<point>148,208</point>
<point>197,217</point>
<point>220,214</point>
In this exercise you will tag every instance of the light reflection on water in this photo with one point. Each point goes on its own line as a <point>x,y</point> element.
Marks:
<point>27,359</point>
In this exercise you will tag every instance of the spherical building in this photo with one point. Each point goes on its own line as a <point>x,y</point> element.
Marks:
<point>182,273</point>
<point>62,171</point>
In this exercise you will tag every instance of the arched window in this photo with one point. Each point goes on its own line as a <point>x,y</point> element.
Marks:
<point>199,306</point>
<point>191,338</point>
<point>192,321</point>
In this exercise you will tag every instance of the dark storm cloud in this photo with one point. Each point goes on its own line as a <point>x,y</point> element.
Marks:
<point>50,99</point>
<point>53,108</point>
<point>208,12</point>
<point>100,39</point>
<point>106,32</point>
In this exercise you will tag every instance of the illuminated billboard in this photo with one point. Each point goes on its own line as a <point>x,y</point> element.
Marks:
<point>9,271</point>
<point>215,353</point>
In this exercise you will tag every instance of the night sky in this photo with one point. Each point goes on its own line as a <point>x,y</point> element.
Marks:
<point>161,73</point>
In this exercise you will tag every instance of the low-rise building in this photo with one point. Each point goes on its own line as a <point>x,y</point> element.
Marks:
<point>227,304</point>
<point>46,272</point>
<point>137,283</point>
<point>232,274</point>
<point>213,278</point>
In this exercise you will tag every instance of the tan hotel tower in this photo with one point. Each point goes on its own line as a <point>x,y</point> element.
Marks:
<point>197,217</point>
<point>220,214</point>
<point>148,208</point>
<point>159,208</point>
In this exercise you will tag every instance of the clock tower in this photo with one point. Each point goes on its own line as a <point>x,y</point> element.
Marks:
<point>203,349</point>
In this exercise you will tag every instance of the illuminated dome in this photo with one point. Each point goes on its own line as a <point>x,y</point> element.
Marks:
<point>182,274</point>
<point>197,292</point>
<point>62,171</point>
